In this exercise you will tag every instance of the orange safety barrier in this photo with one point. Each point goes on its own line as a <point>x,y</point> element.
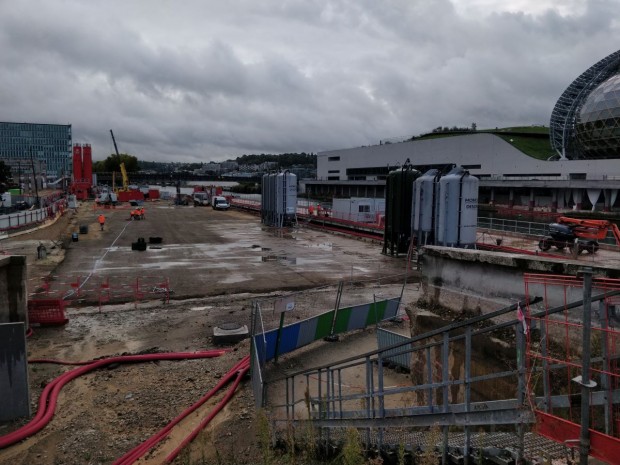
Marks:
<point>47,312</point>
<point>99,290</point>
<point>555,359</point>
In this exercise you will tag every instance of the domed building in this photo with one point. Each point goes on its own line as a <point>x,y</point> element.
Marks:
<point>585,122</point>
<point>598,122</point>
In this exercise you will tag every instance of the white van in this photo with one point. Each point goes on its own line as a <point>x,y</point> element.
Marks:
<point>219,203</point>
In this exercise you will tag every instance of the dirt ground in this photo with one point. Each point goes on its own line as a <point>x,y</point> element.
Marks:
<point>217,264</point>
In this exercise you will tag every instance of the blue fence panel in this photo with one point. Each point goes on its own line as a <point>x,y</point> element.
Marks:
<point>307,331</point>
<point>359,315</point>
<point>288,338</point>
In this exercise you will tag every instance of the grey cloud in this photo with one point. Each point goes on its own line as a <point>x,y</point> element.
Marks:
<point>211,80</point>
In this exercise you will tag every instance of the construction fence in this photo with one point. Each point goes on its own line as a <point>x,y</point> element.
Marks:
<point>573,355</point>
<point>271,339</point>
<point>98,290</point>
<point>28,218</point>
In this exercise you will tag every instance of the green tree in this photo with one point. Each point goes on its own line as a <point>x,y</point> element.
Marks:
<point>5,177</point>
<point>113,163</point>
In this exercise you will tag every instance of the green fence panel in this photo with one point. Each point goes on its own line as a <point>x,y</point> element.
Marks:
<point>324,325</point>
<point>342,320</point>
<point>376,312</point>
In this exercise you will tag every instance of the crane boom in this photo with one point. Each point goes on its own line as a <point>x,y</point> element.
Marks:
<point>122,165</point>
<point>114,141</point>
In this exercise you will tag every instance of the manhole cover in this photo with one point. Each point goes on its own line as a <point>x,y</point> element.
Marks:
<point>229,326</point>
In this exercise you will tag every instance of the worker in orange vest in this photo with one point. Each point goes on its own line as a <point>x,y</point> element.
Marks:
<point>101,220</point>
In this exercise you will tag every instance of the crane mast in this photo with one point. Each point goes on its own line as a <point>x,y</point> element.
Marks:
<point>122,165</point>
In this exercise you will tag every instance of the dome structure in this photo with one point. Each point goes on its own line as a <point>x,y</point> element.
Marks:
<point>597,127</point>
<point>573,132</point>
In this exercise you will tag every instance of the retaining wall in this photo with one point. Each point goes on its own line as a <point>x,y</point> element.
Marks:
<point>480,281</point>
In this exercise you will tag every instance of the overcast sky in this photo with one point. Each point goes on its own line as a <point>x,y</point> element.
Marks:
<point>201,80</point>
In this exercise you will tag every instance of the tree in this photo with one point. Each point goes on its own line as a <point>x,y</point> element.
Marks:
<point>5,177</point>
<point>113,163</point>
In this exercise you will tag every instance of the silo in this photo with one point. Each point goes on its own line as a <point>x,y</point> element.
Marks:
<point>398,197</point>
<point>423,206</point>
<point>286,198</point>
<point>457,209</point>
<point>77,163</point>
<point>87,164</point>
<point>290,196</point>
<point>264,198</point>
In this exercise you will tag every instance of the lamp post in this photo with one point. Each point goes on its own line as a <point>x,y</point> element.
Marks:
<point>34,180</point>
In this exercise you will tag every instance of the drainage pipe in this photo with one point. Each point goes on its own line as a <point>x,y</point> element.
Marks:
<point>49,396</point>
<point>134,454</point>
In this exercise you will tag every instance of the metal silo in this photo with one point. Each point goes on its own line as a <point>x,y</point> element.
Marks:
<point>457,209</point>
<point>264,198</point>
<point>286,198</point>
<point>423,206</point>
<point>398,196</point>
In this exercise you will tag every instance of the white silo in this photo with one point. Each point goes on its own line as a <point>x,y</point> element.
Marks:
<point>457,209</point>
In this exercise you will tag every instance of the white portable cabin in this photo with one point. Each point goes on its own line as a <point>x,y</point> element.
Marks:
<point>358,209</point>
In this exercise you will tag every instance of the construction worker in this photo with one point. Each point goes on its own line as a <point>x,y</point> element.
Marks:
<point>142,213</point>
<point>101,220</point>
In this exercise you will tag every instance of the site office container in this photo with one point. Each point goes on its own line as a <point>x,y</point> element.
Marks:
<point>358,209</point>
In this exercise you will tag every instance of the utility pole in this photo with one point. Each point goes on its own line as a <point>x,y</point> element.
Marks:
<point>34,179</point>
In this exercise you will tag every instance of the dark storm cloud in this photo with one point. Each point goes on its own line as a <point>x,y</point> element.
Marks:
<point>199,80</point>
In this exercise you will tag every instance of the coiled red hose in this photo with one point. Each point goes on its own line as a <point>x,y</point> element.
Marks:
<point>49,396</point>
<point>237,371</point>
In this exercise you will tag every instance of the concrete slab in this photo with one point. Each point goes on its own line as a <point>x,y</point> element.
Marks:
<point>206,252</point>
<point>14,390</point>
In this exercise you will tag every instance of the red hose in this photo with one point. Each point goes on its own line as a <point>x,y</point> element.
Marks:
<point>134,454</point>
<point>49,396</point>
<point>212,414</point>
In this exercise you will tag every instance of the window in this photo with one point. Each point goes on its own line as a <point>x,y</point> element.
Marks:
<point>364,208</point>
<point>334,171</point>
<point>333,158</point>
<point>333,178</point>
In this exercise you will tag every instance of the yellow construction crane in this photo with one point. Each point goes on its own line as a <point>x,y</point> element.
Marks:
<point>122,166</point>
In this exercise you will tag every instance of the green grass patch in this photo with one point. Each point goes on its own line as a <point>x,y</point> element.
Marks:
<point>535,147</point>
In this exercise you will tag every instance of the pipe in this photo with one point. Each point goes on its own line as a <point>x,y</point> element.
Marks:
<point>137,452</point>
<point>49,396</point>
<point>231,391</point>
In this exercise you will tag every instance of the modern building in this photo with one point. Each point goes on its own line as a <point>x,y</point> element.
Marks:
<point>47,145</point>
<point>584,131</point>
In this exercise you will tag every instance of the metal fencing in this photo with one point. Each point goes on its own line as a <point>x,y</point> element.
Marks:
<point>529,228</point>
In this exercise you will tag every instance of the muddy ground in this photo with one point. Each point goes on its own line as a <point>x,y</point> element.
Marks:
<point>217,264</point>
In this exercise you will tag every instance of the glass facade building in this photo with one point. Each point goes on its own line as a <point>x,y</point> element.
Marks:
<point>48,145</point>
<point>572,136</point>
<point>598,123</point>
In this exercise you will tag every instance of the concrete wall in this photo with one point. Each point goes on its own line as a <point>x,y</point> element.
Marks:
<point>480,281</point>
<point>13,292</point>
<point>14,390</point>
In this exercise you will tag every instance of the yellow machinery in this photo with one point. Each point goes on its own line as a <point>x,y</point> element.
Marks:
<point>122,166</point>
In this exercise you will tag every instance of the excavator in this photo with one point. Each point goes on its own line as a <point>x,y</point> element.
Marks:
<point>581,233</point>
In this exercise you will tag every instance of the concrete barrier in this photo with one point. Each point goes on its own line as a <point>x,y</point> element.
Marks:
<point>478,281</point>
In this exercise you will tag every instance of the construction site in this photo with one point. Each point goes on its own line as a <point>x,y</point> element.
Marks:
<point>271,344</point>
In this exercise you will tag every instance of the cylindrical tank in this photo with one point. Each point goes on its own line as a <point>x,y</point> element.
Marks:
<point>398,200</point>
<point>87,163</point>
<point>286,194</point>
<point>423,206</point>
<point>77,163</point>
<point>457,209</point>
<point>264,198</point>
